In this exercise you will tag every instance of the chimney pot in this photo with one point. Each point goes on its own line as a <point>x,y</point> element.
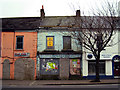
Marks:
<point>42,12</point>
<point>42,7</point>
<point>78,13</point>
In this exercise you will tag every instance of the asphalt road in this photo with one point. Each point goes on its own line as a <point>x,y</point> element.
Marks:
<point>61,87</point>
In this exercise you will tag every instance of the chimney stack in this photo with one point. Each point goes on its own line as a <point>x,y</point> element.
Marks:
<point>42,12</point>
<point>78,13</point>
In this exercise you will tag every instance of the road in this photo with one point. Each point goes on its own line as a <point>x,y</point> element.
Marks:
<point>60,87</point>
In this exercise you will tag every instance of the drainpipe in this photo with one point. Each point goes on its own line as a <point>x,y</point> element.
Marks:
<point>13,52</point>
<point>38,58</point>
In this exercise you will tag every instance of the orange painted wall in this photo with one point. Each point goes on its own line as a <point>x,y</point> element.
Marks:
<point>7,44</point>
<point>30,43</point>
<point>9,47</point>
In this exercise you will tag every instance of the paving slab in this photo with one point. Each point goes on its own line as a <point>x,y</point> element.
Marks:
<point>57,82</point>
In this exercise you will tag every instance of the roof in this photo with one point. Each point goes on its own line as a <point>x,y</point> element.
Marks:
<point>73,21</point>
<point>58,21</point>
<point>28,23</point>
<point>20,23</point>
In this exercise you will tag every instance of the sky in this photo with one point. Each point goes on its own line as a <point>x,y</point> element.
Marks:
<point>31,8</point>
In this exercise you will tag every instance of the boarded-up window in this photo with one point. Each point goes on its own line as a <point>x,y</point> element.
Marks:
<point>49,66</point>
<point>19,42</point>
<point>66,42</point>
<point>50,42</point>
<point>75,67</point>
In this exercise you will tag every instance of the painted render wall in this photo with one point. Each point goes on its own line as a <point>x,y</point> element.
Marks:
<point>58,46</point>
<point>58,41</point>
<point>7,44</point>
<point>30,43</point>
<point>9,48</point>
<point>119,8</point>
<point>119,42</point>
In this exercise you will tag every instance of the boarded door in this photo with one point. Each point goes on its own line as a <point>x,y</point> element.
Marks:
<point>6,69</point>
<point>24,69</point>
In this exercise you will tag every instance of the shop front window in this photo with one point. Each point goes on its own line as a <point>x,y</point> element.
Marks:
<point>92,68</point>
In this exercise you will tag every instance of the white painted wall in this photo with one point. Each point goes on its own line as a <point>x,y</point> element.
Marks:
<point>119,42</point>
<point>119,8</point>
<point>84,65</point>
<point>114,50</point>
<point>108,67</point>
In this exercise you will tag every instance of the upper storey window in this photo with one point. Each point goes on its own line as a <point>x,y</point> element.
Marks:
<point>50,42</point>
<point>66,42</point>
<point>19,42</point>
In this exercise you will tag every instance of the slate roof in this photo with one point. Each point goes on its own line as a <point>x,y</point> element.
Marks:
<point>71,21</point>
<point>28,23</point>
<point>58,21</point>
<point>21,23</point>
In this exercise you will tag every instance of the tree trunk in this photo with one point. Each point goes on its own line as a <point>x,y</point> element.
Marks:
<point>97,68</point>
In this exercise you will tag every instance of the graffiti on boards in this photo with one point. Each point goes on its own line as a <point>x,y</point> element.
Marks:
<point>49,66</point>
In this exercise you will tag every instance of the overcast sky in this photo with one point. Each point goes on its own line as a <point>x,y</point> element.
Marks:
<point>31,8</point>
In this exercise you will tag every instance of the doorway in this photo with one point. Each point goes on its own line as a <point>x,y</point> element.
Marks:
<point>116,67</point>
<point>6,69</point>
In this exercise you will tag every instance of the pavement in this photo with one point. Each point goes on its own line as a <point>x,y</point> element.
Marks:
<point>57,82</point>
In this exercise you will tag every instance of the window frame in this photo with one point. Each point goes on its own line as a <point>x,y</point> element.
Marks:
<point>94,62</point>
<point>19,42</point>
<point>64,44</point>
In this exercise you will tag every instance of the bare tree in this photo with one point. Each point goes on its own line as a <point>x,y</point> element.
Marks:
<point>96,32</point>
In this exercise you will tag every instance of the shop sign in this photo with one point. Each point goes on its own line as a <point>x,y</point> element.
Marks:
<point>90,56</point>
<point>22,54</point>
<point>105,55</point>
<point>60,56</point>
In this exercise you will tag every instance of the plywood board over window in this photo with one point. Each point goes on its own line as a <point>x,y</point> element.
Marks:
<point>49,66</point>
<point>75,67</point>
<point>66,42</point>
